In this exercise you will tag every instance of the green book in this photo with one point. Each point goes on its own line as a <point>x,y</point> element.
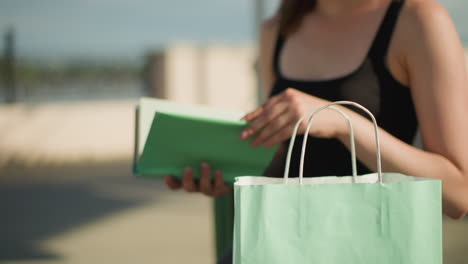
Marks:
<point>171,136</point>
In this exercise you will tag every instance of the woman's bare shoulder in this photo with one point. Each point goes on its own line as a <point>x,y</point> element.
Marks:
<point>424,15</point>
<point>269,29</point>
<point>424,25</point>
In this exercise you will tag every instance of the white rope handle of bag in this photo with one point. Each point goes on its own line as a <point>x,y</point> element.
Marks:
<point>376,131</point>
<point>351,139</point>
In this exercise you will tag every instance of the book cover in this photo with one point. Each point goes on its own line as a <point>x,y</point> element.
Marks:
<point>171,136</point>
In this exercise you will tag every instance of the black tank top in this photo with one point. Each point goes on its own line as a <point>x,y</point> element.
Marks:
<point>370,85</point>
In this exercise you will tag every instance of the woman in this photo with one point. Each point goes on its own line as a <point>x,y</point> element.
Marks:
<point>402,60</point>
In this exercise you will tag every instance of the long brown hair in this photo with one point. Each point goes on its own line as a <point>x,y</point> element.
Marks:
<point>291,12</point>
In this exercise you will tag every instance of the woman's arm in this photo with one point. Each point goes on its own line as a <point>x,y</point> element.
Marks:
<point>437,75</point>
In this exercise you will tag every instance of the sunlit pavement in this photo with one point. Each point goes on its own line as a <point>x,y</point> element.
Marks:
<point>92,213</point>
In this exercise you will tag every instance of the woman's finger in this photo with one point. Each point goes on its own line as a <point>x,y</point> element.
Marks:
<point>172,183</point>
<point>272,127</point>
<point>205,181</point>
<point>262,120</point>
<point>187,180</point>
<point>254,114</point>
<point>220,187</point>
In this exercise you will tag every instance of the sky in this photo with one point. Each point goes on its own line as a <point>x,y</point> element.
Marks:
<point>126,28</point>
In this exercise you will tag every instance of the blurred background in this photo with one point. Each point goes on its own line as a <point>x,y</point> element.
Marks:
<point>71,74</point>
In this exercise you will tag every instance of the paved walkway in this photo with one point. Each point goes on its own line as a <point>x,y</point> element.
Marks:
<point>99,213</point>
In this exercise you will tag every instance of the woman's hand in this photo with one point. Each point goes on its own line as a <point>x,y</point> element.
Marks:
<point>275,120</point>
<point>215,189</point>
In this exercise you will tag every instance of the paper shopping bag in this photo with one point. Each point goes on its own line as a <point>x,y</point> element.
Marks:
<point>383,218</point>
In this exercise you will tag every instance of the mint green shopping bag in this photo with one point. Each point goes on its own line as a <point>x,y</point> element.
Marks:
<point>379,218</point>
